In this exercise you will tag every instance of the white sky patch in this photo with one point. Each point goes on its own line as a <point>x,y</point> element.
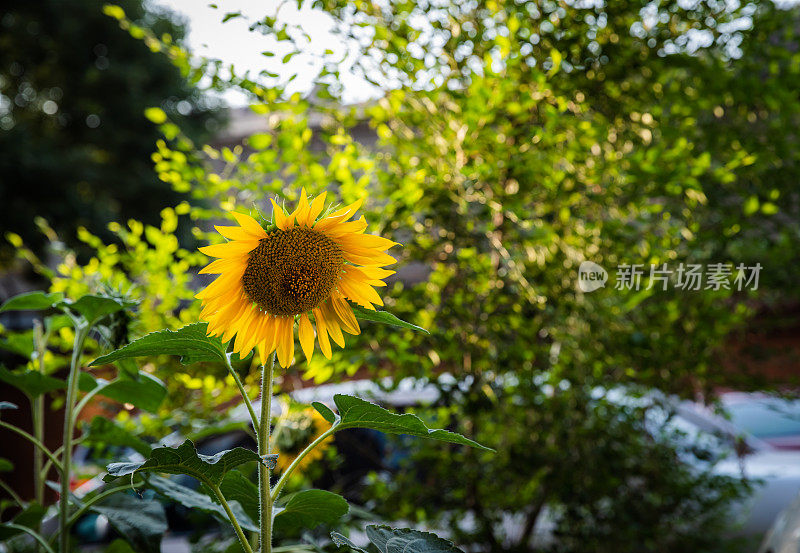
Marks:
<point>234,44</point>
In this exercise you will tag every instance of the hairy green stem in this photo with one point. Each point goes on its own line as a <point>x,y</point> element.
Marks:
<point>276,491</point>
<point>81,332</point>
<point>232,518</point>
<point>247,402</point>
<point>264,495</point>
<point>37,417</point>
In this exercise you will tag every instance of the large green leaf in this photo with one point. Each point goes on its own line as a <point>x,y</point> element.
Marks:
<point>145,391</point>
<point>184,459</point>
<point>141,521</point>
<point>236,486</point>
<point>341,541</point>
<point>103,431</point>
<point>192,499</point>
<point>93,307</point>
<point>32,383</point>
<point>190,342</point>
<point>383,317</point>
<point>308,509</point>
<point>358,413</point>
<point>32,301</point>
<point>405,540</point>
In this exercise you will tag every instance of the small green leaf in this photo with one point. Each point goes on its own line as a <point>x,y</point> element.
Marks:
<point>236,486</point>
<point>340,541</point>
<point>325,411</point>
<point>147,392</point>
<point>358,413</point>
<point>308,509</point>
<point>141,521</point>
<point>103,431</point>
<point>94,307</point>
<point>32,383</point>
<point>32,301</point>
<point>6,465</point>
<point>184,459</point>
<point>383,317</point>
<point>190,342</point>
<point>405,540</point>
<point>192,499</point>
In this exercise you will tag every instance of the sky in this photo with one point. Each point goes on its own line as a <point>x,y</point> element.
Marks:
<point>233,43</point>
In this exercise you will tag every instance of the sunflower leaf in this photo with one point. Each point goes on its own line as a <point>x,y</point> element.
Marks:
<point>32,383</point>
<point>340,541</point>
<point>31,301</point>
<point>395,540</point>
<point>358,413</point>
<point>308,509</point>
<point>325,411</point>
<point>192,499</point>
<point>190,342</point>
<point>209,469</point>
<point>93,307</point>
<point>141,521</point>
<point>383,317</point>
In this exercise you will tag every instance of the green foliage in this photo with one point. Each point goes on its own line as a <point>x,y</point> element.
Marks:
<point>209,469</point>
<point>31,301</point>
<point>358,413</point>
<point>191,499</point>
<point>384,317</point>
<point>103,432</point>
<point>191,343</point>
<point>32,383</point>
<point>142,522</point>
<point>387,539</point>
<point>307,509</point>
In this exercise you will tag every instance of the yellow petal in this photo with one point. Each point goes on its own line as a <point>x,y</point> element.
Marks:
<point>285,340</point>
<point>367,241</point>
<point>301,213</point>
<point>332,324</point>
<point>306,334</point>
<point>250,225</point>
<point>345,314</point>
<point>362,294</point>
<point>226,282</point>
<point>234,233</point>
<point>237,248</point>
<point>377,259</point>
<point>316,208</point>
<point>219,266</point>
<point>349,210</point>
<point>278,215</point>
<point>343,229</point>
<point>322,333</point>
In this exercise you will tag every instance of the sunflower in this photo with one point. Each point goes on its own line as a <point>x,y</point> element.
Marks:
<point>304,266</point>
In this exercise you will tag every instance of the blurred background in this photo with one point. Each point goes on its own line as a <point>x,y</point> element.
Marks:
<point>504,144</point>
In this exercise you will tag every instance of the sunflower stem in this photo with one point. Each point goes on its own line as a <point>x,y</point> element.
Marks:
<point>264,493</point>
<point>81,332</point>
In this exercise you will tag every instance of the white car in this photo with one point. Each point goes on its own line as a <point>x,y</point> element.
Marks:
<point>774,472</point>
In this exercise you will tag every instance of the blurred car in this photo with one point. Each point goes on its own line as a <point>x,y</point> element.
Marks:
<point>773,472</point>
<point>784,536</point>
<point>773,419</point>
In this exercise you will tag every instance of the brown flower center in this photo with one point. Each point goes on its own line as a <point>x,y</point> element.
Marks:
<point>292,271</point>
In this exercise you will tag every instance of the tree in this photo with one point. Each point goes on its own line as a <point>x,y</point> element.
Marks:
<point>75,146</point>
